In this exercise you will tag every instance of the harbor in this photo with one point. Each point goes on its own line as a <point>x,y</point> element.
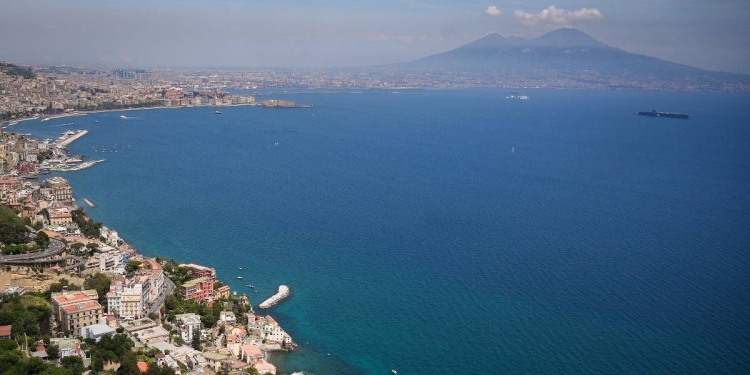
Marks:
<point>283,293</point>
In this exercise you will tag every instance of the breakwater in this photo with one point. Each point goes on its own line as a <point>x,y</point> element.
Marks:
<point>68,138</point>
<point>90,203</point>
<point>283,292</point>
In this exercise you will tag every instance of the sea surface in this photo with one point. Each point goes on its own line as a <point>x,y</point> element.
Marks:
<point>453,231</point>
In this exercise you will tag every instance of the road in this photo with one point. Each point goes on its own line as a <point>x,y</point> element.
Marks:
<point>55,247</point>
<point>168,289</point>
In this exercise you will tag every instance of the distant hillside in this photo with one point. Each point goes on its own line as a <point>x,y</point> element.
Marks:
<point>569,57</point>
<point>15,70</point>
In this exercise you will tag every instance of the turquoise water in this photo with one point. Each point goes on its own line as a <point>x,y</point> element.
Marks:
<point>415,239</point>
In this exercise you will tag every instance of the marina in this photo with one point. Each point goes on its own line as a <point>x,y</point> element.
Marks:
<point>283,293</point>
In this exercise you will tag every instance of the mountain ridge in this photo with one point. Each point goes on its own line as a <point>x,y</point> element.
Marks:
<point>575,57</point>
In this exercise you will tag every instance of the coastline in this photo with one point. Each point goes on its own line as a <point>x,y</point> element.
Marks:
<point>131,251</point>
<point>84,113</point>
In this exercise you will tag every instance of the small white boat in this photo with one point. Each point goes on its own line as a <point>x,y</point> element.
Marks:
<point>240,268</point>
<point>217,112</point>
<point>239,277</point>
<point>123,117</point>
<point>394,372</point>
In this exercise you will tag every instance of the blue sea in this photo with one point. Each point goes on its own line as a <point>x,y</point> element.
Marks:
<point>453,231</point>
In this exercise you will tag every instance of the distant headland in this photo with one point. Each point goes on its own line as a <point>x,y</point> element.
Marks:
<point>277,103</point>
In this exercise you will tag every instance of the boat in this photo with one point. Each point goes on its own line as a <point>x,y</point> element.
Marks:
<point>217,112</point>
<point>394,372</point>
<point>239,268</point>
<point>655,113</point>
<point>123,117</point>
<point>239,277</point>
<point>96,121</point>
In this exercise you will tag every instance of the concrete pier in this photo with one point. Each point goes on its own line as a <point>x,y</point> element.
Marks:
<point>283,292</point>
<point>65,141</point>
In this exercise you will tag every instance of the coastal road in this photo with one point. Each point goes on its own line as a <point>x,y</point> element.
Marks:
<point>55,247</point>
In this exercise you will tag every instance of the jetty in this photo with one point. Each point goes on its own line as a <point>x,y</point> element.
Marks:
<point>79,167</point>
<point>90,203</point>
<point>70,137</point>
<point>283,292</point>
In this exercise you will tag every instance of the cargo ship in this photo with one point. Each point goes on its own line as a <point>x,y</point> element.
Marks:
<point>655,113</point>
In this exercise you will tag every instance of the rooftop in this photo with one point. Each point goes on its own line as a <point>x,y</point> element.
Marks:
<point>72,297</point>
<point>194,282</point>
<point>83,306</point>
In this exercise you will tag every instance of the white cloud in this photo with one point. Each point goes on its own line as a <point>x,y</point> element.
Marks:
<point>585,14</point>
<point>554,15</point>
<point>493,11</point>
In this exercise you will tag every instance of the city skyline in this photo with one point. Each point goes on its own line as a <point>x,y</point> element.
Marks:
<point>708,35</point>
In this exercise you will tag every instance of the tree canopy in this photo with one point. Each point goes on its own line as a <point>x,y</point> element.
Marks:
<point>13,230</point>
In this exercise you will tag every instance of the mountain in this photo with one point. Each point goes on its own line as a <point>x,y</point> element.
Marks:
<point>570,58</point>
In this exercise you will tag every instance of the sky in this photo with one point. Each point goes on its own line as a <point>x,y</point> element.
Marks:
<point>709,34</point>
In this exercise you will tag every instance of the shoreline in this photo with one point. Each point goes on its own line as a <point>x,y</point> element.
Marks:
<point>132,251</point>
<point>84,113</point>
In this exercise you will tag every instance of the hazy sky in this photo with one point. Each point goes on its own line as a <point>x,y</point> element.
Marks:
<point>711,34</point>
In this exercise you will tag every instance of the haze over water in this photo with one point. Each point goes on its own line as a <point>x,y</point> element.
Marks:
<point>454,231</point>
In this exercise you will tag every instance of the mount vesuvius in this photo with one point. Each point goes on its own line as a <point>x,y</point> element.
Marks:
<point>570,58</point>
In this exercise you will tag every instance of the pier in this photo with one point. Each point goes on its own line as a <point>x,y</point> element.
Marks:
<point>79,167</point>
<point>283,292</point>
<point>65,140</point>
<point>90,203</point>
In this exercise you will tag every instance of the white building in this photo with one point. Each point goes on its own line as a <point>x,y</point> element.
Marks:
<point>128,298</point>
<point>228,317</point>
<point>110,260</point>
<point>190,325</point>
<point>96,331</point>
<point>268,329</point>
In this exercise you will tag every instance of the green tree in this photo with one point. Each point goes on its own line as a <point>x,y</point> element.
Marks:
<point>133,266</point>
<point>7,345</point>
<point>74,364</point>
<point>53,351</point>
<point>54,370</point>
<point>12,229</point>
<point>129,365</point>
<point>42,239</point>
<point>196,343</point>
<point>99,282</point>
